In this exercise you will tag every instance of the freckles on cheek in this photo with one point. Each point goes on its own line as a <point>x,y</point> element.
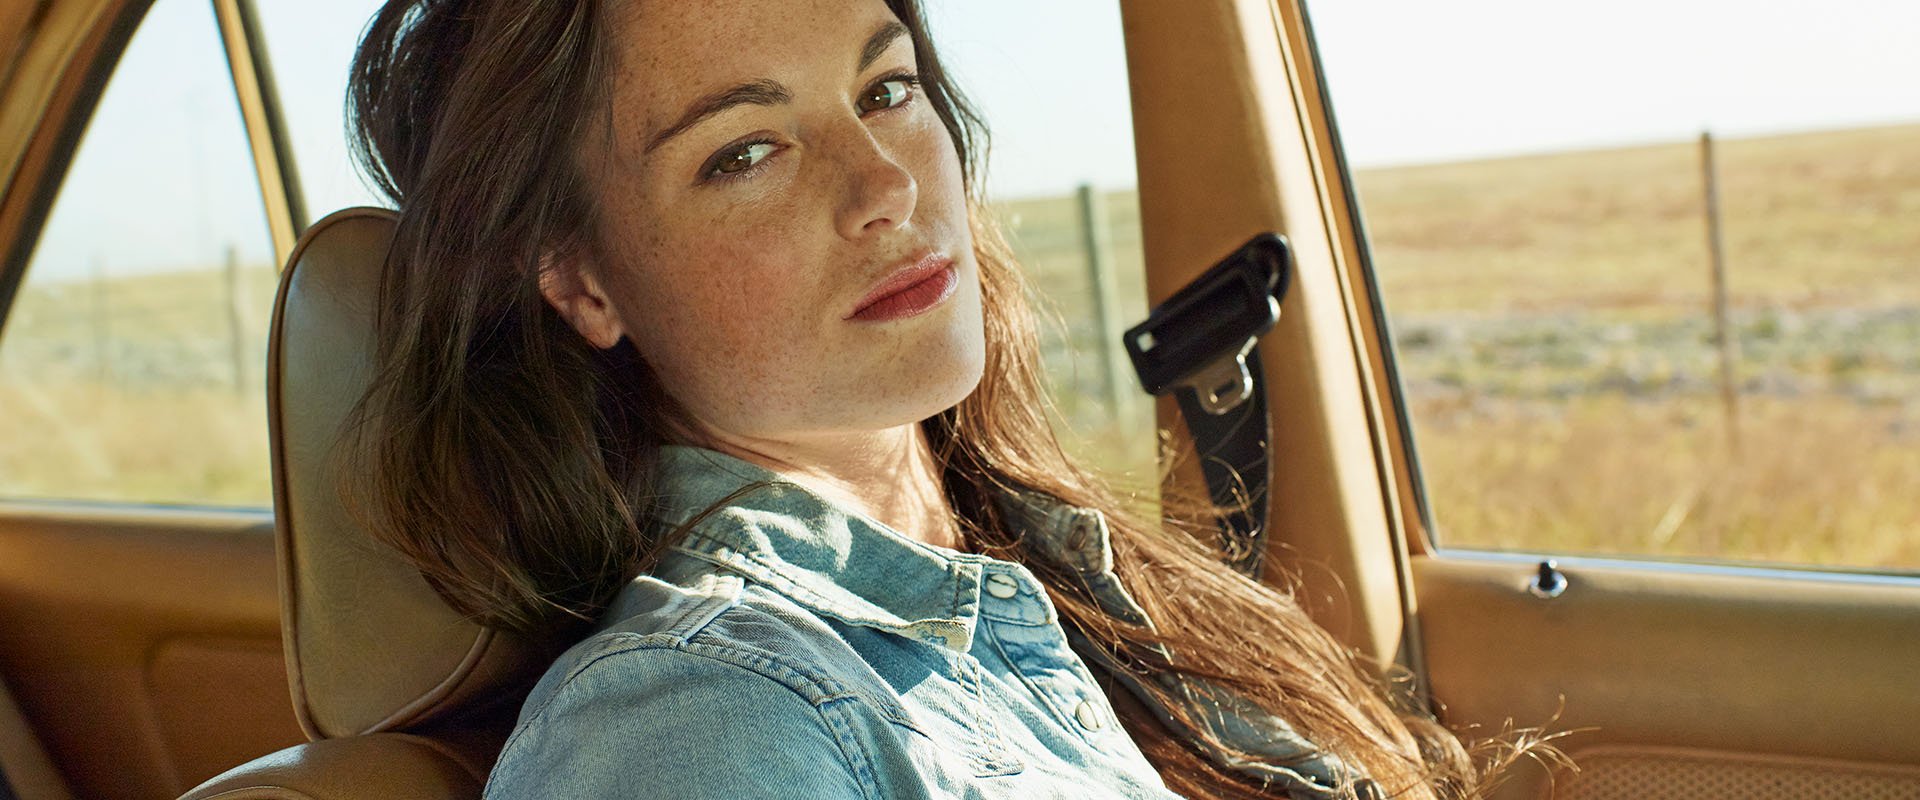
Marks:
<point>746,307</point>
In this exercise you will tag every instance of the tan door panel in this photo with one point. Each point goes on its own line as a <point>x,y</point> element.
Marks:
<point>1656,773</point>
<point>143,645</point>
<point>1741,668</point>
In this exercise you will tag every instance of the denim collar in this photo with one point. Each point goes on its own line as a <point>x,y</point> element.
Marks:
<point>831,560</point>
<point>844,565</point>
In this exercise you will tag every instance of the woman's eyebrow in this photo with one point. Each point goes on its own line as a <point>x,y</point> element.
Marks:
<point>878,43</point>
<point>767,92</point>
<point>762,92</point>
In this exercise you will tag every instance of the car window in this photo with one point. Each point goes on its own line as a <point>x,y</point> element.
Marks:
<point>1062,181</point>
<point>1566,207</point>
<point>130,364</point>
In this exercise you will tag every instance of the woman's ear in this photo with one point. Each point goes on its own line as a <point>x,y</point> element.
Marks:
<point>573,290</point>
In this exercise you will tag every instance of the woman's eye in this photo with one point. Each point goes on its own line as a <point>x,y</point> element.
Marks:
<point>741,158</point>
<point>887,94</point>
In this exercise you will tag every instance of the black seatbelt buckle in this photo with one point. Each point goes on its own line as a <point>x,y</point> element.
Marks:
<point>1199,338</point>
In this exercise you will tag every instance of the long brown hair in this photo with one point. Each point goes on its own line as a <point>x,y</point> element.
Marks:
<point>511,461</point>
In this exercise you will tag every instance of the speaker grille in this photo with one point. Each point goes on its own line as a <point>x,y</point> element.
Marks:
<point>1674,775</point>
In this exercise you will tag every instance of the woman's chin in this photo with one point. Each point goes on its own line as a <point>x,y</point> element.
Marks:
<point>932,397</point>
<point>943,369</point>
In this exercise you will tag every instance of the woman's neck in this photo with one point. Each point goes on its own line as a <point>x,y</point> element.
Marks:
<point>889,475</point>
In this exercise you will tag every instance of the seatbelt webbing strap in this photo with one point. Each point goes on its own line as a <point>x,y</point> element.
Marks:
<point>1232,449</point>
<point>1200,345</point>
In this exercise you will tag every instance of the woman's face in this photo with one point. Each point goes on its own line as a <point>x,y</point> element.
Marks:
<point>771,170</point>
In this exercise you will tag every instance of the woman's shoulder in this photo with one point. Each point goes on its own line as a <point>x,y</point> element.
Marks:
<point>683,674</point>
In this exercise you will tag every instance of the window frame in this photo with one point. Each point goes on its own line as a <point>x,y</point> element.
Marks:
<point>250,66</point>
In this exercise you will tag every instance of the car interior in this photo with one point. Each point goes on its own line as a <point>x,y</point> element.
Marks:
<point>156,651</point>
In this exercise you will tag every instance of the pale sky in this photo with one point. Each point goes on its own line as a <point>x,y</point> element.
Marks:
<point>1417,81</point>
<point>164,181</point>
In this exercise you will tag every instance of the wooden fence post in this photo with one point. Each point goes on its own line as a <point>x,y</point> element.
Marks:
<point>97,319</point>
<point>1722,334</point>
<point>236,320</point>
<point>1096,243</point>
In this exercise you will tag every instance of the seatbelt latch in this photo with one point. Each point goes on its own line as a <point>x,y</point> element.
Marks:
<point>1199,338</point>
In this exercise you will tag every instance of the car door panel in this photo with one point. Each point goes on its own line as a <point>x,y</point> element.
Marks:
<point>1747,665</point>
<point>143,645</point>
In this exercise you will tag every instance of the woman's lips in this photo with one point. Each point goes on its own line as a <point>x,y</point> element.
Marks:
<point>911,291</point>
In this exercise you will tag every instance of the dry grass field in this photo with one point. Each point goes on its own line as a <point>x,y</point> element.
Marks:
<point>1552,329</point>
<point>128,390</point>
<point>1552,316</point>
<point>1823,220</point>
<point>87,440</point>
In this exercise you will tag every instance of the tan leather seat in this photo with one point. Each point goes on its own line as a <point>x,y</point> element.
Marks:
<point>401,697</point>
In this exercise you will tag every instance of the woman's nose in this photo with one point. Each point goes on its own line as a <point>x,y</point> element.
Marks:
<point>878,191</point>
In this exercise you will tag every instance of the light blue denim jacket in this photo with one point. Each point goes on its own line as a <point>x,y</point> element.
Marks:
<point>787,648</point>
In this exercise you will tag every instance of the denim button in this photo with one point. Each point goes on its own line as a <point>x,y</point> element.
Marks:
<point>1002,586</point>
<point>1087,715</point>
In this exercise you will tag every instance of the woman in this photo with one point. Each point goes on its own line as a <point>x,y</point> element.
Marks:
<point>695,328</point>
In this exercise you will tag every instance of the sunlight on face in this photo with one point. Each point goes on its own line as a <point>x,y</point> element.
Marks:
<point>736,246</point>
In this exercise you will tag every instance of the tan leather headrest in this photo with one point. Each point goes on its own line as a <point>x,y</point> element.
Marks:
<point>370,646</point>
